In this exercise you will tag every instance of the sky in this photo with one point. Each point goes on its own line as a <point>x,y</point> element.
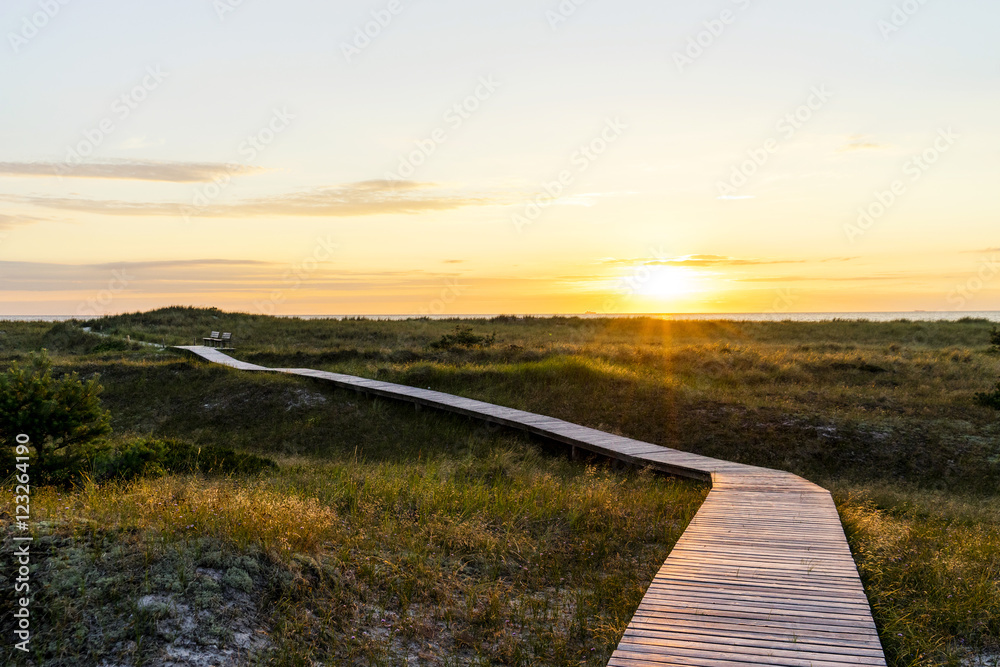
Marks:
<point>445,157</point>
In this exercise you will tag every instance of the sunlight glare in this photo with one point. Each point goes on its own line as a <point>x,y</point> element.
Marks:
<point>664,282</point>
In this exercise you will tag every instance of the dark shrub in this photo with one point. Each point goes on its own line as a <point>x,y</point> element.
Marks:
<point>154,457</point>
<point>989,399</point>
<point>463,336</point>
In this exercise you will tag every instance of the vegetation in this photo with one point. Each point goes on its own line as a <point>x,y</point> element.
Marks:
<point>61,415</point>
<point>463,336</point>
<point>419,525</point>
<point>151,457</point>
<point>989,399</point>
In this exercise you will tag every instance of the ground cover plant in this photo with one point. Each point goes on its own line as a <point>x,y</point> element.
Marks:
<point>884,414</point>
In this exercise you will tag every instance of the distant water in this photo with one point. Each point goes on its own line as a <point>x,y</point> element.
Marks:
<point>912,315</point>
<point>35,318</point>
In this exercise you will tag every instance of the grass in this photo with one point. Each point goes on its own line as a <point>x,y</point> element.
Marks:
<point>509,558</point>
<point>930,563</point>
<point>385,533</point>
<point>884,414</point>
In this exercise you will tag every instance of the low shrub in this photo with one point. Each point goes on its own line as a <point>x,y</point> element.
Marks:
<point>147,457</point>
<point>463,336</point>
<point>989,399</point>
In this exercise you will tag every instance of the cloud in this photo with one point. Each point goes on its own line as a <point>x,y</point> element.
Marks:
<point>718,261</point>
<point>176,263</point>
<point>703,261</point>
<point>850,279</point>
<point>143,141</point>
<point>171,172</point>
<point>860,143</point>
<point>203,276</point>
<point>11,221</point>
<point>51,276</point>
<point>353,199</point>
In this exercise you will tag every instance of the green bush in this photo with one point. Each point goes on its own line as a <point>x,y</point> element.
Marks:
<point>60,416</point>
<point>184,457</point>
<point>145,457</point>
<point>463,336</point>
<point>995,339</point>
<point>137,458</point>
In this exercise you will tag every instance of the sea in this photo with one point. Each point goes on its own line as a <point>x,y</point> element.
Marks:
<point>910,315</point>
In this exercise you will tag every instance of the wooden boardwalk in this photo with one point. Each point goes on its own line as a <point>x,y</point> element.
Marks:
<point>762,575</point>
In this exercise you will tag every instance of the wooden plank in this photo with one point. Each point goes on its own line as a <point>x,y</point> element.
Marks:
<point>762,575</point>
<point>819,636</point>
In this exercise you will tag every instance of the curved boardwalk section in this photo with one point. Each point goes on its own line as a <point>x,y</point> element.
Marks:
<point>762,575</point>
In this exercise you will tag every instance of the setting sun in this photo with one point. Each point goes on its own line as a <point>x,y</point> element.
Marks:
<point>664,282</point>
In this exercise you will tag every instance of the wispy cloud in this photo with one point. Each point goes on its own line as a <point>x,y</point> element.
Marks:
<point>142,141</point>
<point>10,221</point>
<point>718,261</point>
<point>881,277</point>
<point>860,143</point>
<point>175,263</point>
<point>353,199</point>
<point>701,261</point>
<point>172,172</point>
<point>200,276</point>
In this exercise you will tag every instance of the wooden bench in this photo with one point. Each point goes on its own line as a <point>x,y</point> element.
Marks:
<point>223,341</point>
